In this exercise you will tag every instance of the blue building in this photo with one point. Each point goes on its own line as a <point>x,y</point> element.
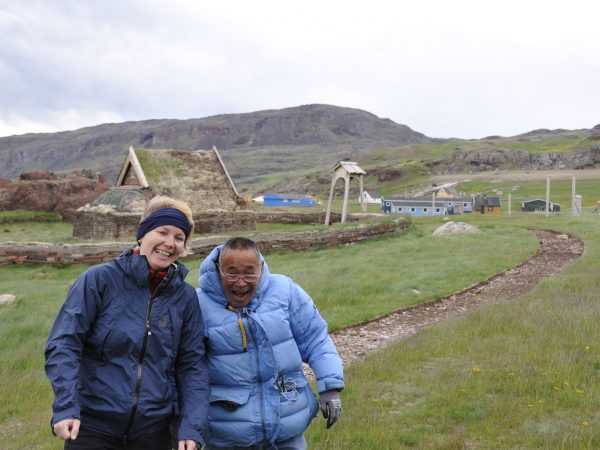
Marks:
<point>457,205</point>
<point>413,206</point>
<point>288,200</point>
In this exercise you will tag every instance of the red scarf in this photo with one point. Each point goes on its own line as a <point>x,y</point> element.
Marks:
<point>154,276</point>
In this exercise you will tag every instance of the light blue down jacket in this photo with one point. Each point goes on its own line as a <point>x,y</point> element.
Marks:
<point>260,394</point>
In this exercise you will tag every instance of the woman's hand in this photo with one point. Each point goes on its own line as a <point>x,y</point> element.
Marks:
<point>67,429</point>
<point>188,444</point>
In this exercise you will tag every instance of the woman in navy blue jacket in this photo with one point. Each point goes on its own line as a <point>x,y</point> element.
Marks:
<point>126,354</point>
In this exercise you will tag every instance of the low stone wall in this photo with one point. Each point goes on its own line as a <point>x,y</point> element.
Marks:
<point>102,225</point>
<point>119,225</point>
<point>115,225</point>
<point>222,221</point>
<point>315,218</point>
<point>65,254</point>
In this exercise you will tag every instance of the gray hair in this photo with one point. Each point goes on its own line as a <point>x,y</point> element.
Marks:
<point>239,243</point>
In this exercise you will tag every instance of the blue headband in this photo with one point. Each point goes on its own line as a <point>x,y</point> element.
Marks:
<point>164,216</point>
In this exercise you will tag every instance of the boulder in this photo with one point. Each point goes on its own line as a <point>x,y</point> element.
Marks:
<point>7,298</point>
<point>455,227</point>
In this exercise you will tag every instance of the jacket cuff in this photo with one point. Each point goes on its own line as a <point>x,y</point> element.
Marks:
<point>193,435</point>
<point>324,385</point>
<point>64,415</point>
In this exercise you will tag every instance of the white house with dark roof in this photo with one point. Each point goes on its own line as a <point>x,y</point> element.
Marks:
<point>370,196</point>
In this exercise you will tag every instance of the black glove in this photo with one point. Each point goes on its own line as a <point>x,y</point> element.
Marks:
<point>331,406</point>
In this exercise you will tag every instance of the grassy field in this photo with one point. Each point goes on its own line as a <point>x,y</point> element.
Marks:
<point>520,190</point>
<point>14,227</point>
<point>519,375</point>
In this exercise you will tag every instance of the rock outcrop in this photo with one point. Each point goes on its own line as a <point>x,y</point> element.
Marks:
<point>46,191</point>
<point>460,161</point>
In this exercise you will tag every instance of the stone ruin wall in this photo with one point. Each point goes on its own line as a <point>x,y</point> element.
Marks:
<point>108,226</point>
<point>65,254</point>
<point>112,225</point>
<point>316,218</point>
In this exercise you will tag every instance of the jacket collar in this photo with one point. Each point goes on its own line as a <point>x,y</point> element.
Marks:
<point>136,267</point>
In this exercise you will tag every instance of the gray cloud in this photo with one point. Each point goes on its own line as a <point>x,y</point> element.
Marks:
<point>464,68</point>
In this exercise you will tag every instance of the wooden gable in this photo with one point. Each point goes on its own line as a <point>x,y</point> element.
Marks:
<point>132,174</point>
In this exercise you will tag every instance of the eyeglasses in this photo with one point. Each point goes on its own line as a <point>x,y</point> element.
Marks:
<point>233,277</point>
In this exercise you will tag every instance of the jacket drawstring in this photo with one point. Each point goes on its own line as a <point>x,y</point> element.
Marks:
<point>240,323</point>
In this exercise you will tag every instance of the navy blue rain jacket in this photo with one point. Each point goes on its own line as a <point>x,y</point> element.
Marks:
<point>125,362</point>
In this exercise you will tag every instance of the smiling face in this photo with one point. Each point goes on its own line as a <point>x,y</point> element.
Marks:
<point>162,246</point>
<point>240,262</point>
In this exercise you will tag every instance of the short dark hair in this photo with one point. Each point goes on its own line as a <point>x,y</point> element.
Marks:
<point>239,243</point>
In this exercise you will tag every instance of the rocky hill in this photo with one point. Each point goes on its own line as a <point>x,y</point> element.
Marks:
<point>252,144</point>
<point>293,149</point>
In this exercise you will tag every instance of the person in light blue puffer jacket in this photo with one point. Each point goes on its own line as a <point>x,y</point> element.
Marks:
<point>259,329</point>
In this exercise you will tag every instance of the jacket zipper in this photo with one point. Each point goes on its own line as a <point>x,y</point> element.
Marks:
<point>260,390</point>
<point>147,333</point>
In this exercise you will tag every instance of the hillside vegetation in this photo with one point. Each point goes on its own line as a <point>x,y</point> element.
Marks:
<point>258,143</point>
<point>293,149</point>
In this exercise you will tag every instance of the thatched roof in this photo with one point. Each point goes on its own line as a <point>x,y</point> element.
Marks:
<point>198,178</point>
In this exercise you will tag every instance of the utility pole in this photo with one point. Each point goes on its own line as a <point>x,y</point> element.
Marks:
<point>547,196</point>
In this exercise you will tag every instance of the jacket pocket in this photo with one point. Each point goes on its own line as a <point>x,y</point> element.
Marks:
<point>298,405</point>
<point>175,330</point>
<point>228,400</point>
<point>97,342</point>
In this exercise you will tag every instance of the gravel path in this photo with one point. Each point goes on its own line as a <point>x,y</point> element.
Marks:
<point>556,251</point>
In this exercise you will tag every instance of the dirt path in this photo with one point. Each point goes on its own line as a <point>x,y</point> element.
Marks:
<point>519,175</point>
<point>556,251</point>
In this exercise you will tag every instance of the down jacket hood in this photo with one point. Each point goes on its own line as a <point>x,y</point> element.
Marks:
<point>210,281</point>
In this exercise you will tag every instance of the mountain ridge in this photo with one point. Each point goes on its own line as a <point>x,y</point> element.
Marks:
<point>103,147</point>
<point>292,149</point>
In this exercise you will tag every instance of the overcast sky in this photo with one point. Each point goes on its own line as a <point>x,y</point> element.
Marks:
<point>457,68</point>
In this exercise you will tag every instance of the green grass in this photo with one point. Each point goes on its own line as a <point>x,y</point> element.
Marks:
<point>25,397</point>
<point>53,232</point>
<point>358,282</point>
<point>523,374</point>
<point>156,164</point>
<point>58,232</point>
<point>19,215</point>
<point>465,383</point>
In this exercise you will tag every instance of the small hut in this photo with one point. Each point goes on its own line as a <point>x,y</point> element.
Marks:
<point>199,178</point>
